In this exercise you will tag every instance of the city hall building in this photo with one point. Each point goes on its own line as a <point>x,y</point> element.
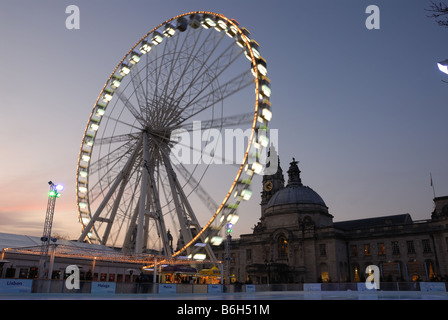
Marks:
<point>297,241</point>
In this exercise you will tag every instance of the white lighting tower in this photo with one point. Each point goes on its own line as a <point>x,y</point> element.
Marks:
<point>53,194</point>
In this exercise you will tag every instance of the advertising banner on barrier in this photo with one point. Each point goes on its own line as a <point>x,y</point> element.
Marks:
<point>432,286</point>
<point>103,287</point>
<point>169,288</point>
<point>214,288</point>
<point>15,285</point>
<point>312,287</point>
<point>250,288</point>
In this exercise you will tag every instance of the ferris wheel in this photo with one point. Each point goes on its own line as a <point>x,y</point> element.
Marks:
<point>153,174</point>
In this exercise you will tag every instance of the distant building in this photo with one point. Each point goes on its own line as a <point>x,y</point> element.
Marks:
<point>297,241</point>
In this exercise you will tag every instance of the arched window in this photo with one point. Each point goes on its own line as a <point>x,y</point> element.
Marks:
<point>282,243</point>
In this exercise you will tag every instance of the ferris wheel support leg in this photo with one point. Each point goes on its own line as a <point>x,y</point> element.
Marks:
<point>193,218</point>
<point>183,219</point>
<point>149,195</point>
<point>131,228</point>
<point>143,197</point>
<point>189,213</point>
<point>109,194</point>
<point>160,221</point>
<point>115,208</point>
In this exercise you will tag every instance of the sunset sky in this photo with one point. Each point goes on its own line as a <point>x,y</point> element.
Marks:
<point>364,111</point>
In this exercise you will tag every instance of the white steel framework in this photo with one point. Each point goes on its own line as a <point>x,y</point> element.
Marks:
<point>191,74</point>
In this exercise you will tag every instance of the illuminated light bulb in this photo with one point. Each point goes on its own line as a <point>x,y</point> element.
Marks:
<point>216,240</point>
<point>220,25</point>
<point>443,66</point>
<point>157,38</point>
<point>169,31</point>
<point>246,194</point>
<point>124,70</point>
<point>257,167</point>
<point>145,47</point>
<point>135,58</point>
<point>208,22</point>
<point>232,31</point>
<point>233,218</point>
<point>115,82</point>
<point>199,256</point>
<point>266,114</point>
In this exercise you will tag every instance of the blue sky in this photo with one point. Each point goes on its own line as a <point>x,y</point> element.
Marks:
<point>364,111</point>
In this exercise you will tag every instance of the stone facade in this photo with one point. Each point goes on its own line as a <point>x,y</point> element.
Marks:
<point>297,241</point>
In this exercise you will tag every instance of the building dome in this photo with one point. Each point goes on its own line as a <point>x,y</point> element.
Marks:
<point>295,192</point>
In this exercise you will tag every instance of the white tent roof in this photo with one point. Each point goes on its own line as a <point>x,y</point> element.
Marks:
<point>10,240</point>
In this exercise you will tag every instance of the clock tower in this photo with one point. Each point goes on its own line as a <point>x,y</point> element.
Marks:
<point>271,183</point>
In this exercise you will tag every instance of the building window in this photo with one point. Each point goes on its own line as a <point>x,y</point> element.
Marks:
<point>430,270</point>
<point>426,246</point>
<point>282,247</point>
<point>356,276</point>
<point>353,250</point>
<point>324,276</point>
<point>249,254</point>
<point>10,272</point>
<point>395,248</point>
<point>23,273</point>
<point>410,246</point>
<point>367,250</point>
<point>381,249</point>
<point>323,250</point>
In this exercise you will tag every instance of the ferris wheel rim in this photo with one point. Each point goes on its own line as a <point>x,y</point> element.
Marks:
<point>255,121</point>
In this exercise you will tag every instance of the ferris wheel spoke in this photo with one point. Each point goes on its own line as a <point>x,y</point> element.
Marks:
<point>127,213</point>
<point>228,89</point>
<point>224,122</point>
<point>112,189</point>
<point>130,107</point>
<point>121,122</point>
<point>217,158</point>
<point>175,64</point>
<point>187,64</point>
<point>216,68</point>
<point>117,138</point>
<point>113,156</point>
<point>198,74</point>
<point>140,93</point>
<point>195,185</point>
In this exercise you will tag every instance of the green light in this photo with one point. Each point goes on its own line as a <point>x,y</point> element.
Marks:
<point>54,194</point>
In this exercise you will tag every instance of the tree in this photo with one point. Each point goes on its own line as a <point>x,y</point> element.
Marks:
<point>439,12</point>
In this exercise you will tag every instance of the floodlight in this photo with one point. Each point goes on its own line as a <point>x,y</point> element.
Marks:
<point>443,66</point>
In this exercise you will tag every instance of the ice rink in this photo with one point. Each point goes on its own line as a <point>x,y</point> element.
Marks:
<point>267,295</point>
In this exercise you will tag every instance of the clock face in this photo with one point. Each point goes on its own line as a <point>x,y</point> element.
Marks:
<point>268,186</point>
